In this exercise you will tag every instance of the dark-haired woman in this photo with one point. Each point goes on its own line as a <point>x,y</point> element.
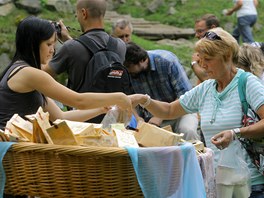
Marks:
<point>24,87</point>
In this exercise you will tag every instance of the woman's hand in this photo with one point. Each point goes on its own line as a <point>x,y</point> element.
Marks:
<point>229,12</point>
<point>137,99</point>
<point>156,121</point>
<point>222,139</point>
<point>195,57</point>
<point>105,109</point>
<point>125,104</point>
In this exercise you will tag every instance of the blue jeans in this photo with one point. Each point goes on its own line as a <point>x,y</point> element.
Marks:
<point>244,28</point>
<point>257,191</point>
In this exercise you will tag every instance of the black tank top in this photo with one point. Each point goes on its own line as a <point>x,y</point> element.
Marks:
<point>17,103</point>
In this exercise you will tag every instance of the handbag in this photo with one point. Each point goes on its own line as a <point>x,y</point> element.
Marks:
<point>254,147</point>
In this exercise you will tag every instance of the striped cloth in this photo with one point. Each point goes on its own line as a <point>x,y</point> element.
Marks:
<point>4,146</point>
<point>168,171</point>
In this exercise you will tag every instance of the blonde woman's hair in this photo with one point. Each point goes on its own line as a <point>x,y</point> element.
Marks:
<point>251,59</point>
<point>225,47</point>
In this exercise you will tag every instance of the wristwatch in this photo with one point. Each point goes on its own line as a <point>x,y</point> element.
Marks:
<point>193,63</point>
<point>236,131</point>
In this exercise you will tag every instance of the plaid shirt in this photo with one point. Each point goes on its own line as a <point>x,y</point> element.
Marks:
<point>166,80</point>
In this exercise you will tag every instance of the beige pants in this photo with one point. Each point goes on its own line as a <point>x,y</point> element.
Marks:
<point>186,124</point>
<point>233,191</point>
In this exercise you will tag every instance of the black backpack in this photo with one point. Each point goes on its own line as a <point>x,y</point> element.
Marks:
<point>109,74</point>
<point>104,72</point>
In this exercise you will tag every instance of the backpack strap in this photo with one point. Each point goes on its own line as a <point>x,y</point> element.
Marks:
<point>92,45</point>
<point>92,48</point>
<point>242,83</point>
<point>111,44</point>
<point>89,44</point>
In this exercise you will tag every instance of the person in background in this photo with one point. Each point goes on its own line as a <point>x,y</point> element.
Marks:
<point>246,12</point>
<point>24,87</point>
<point>256,44</point>
<point>73,57</point>
<point>202,25</point>
<point>123,29</point>
<point>251,59</point>
<point>259,45</point>
<point>160,74</point>
<point>217,99</point>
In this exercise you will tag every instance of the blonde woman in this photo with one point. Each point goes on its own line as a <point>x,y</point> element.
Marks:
<point>251,59</point>
<point>217,100</point>
<point>24,87</point>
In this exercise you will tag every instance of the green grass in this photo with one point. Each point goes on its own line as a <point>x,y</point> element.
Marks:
<point>184,17</point>
<point>185,13</point>
<point>182,51</point>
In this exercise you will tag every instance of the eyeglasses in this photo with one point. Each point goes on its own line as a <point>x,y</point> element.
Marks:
<point>124,36</point>
<point>200,31</point>
<point>212,36</point>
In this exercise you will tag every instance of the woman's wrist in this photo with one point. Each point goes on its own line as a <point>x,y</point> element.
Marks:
<point>104,110</point>
<point>236,133</point>
<point>146,102</point>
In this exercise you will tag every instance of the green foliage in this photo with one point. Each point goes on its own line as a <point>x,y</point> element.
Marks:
<point>8,26</point>
<point>43,2</point>
<point>185,13</point>
<point>183,52</point>
<point>184,17</point>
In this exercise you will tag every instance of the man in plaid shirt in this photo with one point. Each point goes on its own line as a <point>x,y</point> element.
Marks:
<point>159,74</point>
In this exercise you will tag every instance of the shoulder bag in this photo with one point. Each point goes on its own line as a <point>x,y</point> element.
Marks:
<point>254,147</point>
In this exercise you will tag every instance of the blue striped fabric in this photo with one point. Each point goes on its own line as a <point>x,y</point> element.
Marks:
<point>168,171</point>
<point>4,146</point>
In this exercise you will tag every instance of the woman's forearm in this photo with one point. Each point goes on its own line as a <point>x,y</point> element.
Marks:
<point>165,110</point>
<point>82,115</point>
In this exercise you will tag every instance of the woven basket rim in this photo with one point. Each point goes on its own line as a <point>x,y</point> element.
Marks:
<point>68,149</point>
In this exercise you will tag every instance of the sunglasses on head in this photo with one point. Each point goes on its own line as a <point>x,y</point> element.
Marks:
<point>212,36</point>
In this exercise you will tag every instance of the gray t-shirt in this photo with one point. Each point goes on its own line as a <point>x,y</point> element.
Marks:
<point>73,57</point>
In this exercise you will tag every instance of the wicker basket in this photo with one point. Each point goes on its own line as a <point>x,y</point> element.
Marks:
<point>46,170</point>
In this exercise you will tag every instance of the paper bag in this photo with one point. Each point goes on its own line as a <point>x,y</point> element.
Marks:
<point>24,127</point>
<point>42,124</point>
<point>149,135</point>
<point>12,132</point>
<point>79,128</point>
<point>61,134</point>
<point>125,138</point>
<point>38,135</point>
<point>100,140</point>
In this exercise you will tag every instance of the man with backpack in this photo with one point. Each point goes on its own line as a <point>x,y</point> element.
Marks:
<point>83,58</point>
